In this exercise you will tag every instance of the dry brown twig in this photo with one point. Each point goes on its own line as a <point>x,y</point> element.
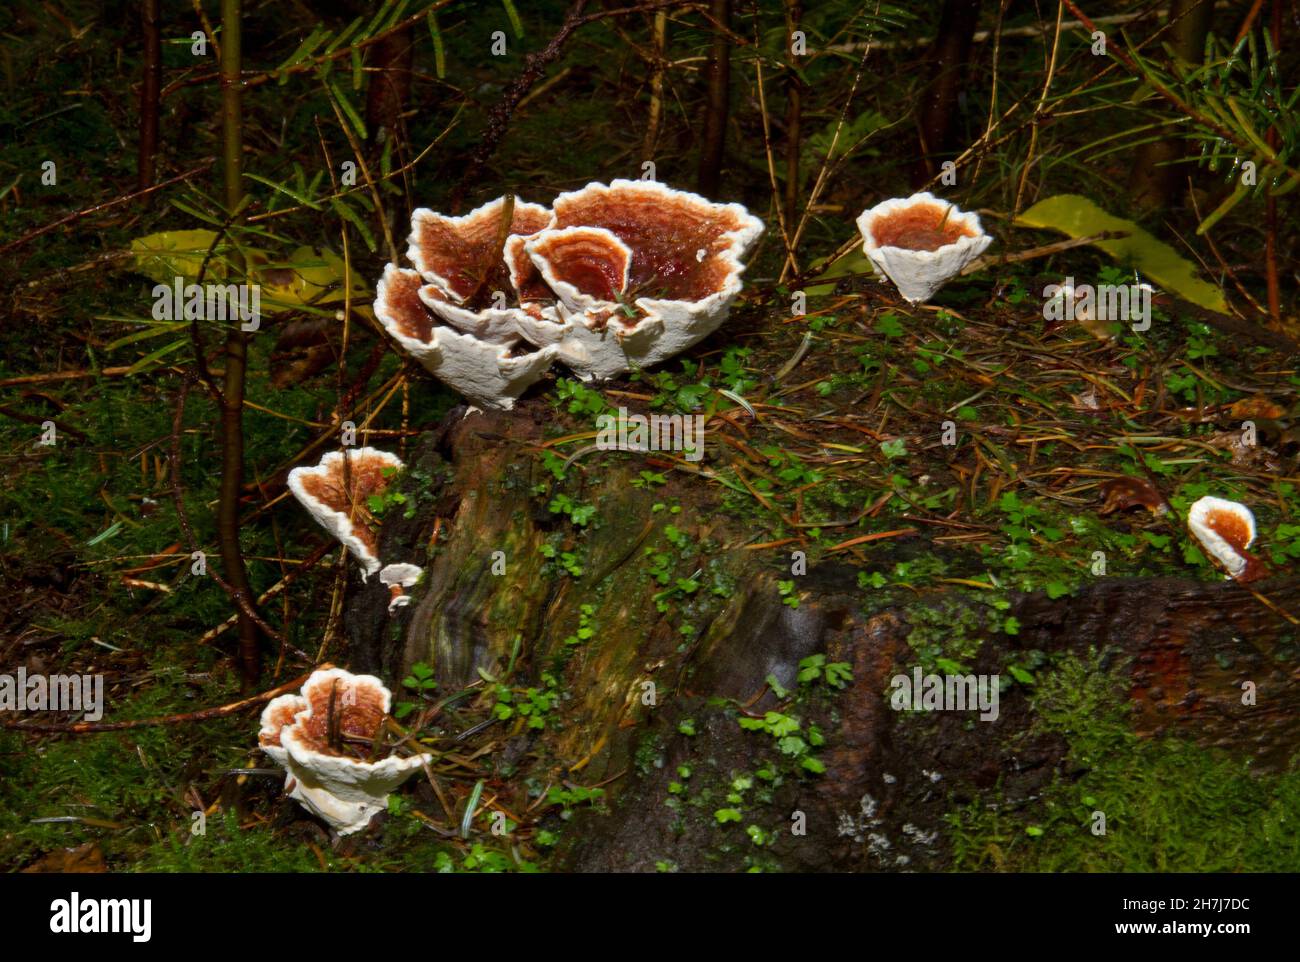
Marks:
<point>95,208</point>
<point>206,714</point>
<point>1038,110</point>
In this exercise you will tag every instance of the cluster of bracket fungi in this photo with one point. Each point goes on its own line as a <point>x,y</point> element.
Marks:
<point>608,279</point>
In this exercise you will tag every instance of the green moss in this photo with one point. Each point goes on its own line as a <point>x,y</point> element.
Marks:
<point>130,778</point>
<point>225,847</point>
<point>1169,805</point>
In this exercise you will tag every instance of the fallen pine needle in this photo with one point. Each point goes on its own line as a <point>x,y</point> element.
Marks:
<point>968,582</point>
<point>590,755</point>
<point>771,544</point>
<point>878,536</point>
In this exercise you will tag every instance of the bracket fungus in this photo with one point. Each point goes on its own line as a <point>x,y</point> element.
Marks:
<point>586,267</point>
<point>461,256</point>
<point>920,242</point>
<point>478,353</point>
<point>612,277</point>
<point>323,739</point>
<point>336,492</point>
<point>278,713</point>
<point>642,272</point>
<point>1225,529</point>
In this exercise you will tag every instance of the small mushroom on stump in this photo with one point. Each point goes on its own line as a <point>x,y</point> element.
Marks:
<point>1225,529</point>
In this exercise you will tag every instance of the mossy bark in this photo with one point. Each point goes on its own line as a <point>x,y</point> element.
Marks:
<point>641,697</point>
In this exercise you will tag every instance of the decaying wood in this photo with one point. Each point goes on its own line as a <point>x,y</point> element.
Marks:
<point>1187,647</point>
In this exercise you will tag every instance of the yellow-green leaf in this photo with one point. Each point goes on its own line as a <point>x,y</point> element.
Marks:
<point>515,23</point>
<point>1078,216</point>
<point>285,189</point>
<point>309,276</point>
<point>303,51</point>
<point>1219,212</point>
<point>352,217</point>
<point>176,253</point>
<point>854,262</point>
<point>151,359</point>
<point>154,329</point>
<point>348,109</point>
<point>342,38</point>
<point>439,55</point>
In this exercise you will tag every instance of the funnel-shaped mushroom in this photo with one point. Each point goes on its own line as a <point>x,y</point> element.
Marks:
<point>586,267</point>
<point>461,256</point>
<point>485,365</point>
<point>642,272</point>
<point>323,738</point>
<point>336,490</point>
<point>1225,529</point>
<point>920,243</point>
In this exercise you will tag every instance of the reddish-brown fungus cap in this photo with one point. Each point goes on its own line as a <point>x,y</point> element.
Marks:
<point>585,266</point>
<point>1225,529</point>
<point>676,237</point>
<point>279,713</point>
<point>359,705</point>
<point>463,255</point>
<point>398,302</point>
<point>335,491</point>
<point>919,227</point>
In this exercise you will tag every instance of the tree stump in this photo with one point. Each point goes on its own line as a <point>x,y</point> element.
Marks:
<point>642,698</point>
